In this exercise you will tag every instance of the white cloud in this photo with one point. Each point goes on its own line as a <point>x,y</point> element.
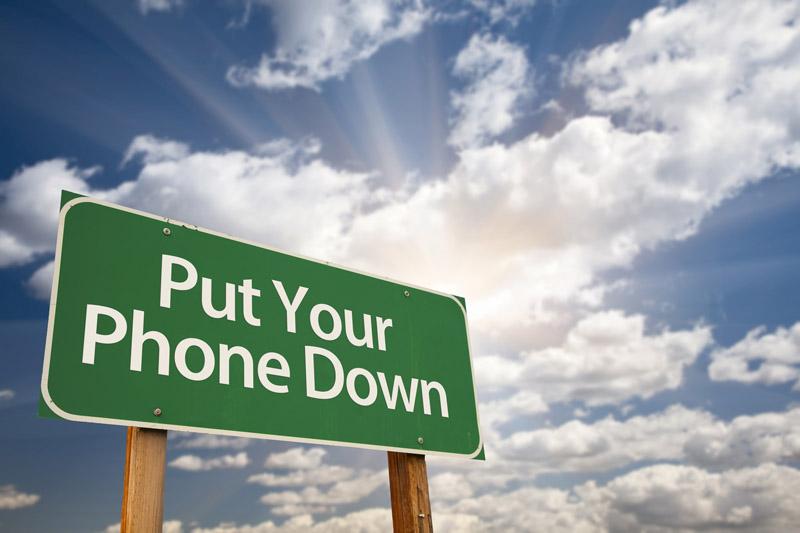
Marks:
<point>41,281</point>
<point>498,81</point>
<point>340,493</point>
<point>296,458</point>
<point>145,6</point>
<point>6,394</point>
<point>675,497</point>
<point>313,196</point>
<point>210,442</point>
<point>775,358</point>
<point>580,447</point>
<point>717,76</point>
<point>29,203</point>
<point>193,463</point>
<point>320,40</point>
<point>606,358</point>
<point>660,498</point>
<point>11,498</point>
<point>676,434</point>
<point>155,150</point>
<point>363,521</point>
<point>504,10</point>
<point>319,475</point>
<point>746,441</point>
<point>449,486</point>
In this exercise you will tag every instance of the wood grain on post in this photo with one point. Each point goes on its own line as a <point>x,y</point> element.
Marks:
<point>143,491</point>
<point>408,485</point>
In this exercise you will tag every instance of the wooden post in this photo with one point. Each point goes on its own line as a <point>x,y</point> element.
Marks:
<point>143,491</point>
<point>408,485</point>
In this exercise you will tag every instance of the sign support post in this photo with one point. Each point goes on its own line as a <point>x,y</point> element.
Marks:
<point>408,485</point>
<point>143,491</point>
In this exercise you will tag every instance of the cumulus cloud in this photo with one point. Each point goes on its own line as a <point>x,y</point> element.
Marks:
<point>29,203</point>
<point>663,498</point>
<point>498,81</point>
<point>41,281</point>
<point>187,187</point>
<point>314,500</point>
<point>11,498</point>
<point>676,434</point>
<point>6,394</point>
<point>320,40</point>
<point>364,521</point>
<point>210,442</point>
<point>320,475</point>
<point>296,458</point>
<point>154,150</point>
<point>677,497</point>
<point>760,357</point>
<point>606,358</point>
<point>194,463</point>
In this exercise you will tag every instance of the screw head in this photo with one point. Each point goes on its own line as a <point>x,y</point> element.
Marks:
<point>421,515</point>
<point>420,440</point>
<point>157,411</point>
<point>166,231</point>
<point>406,293</point>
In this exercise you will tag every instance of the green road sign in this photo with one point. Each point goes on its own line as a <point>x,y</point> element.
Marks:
<point>156,323</point>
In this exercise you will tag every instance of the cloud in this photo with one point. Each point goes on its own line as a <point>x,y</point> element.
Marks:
<point>659,498</point>
<point>155,150</point>
<point>312,499</point>
<point>764,498</point>
<point>162,6</point>
<point>296,458</point>
<point>29,203</point>
<point>450,486</point>
<point>209,442</point>
<point>193,463</point>
<point>187,186</point>
<point>676,434</point>
<point>363,521</point>
<point>11,498</point>
<point>510,11</point>
<point>697,70</point>
<point>317,41</point>
<point>319,475</point>
<point>761,357</point>
<point>606,358</point>
<point>40,283</point>
<point>6,394</point>
<point>498,82</point>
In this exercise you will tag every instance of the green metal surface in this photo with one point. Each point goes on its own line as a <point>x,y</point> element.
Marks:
<point>112,257</point>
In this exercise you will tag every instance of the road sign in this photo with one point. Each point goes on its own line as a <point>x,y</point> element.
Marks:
<point>160,324</point>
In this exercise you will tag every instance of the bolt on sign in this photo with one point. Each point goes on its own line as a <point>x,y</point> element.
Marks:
<point>159,324</point>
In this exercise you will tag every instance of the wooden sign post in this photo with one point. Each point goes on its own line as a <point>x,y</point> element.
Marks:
<point>143,491</point>
<point>408,485</point>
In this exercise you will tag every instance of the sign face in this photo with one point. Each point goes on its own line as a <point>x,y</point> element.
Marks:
<point>156,323</point>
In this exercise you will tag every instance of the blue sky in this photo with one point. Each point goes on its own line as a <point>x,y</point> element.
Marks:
<point>612,186</point>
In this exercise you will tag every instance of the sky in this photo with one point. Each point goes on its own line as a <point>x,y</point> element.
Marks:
<point>612,186</point>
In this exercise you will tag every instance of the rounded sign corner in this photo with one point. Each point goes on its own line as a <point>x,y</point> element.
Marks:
<point>53,406</point>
